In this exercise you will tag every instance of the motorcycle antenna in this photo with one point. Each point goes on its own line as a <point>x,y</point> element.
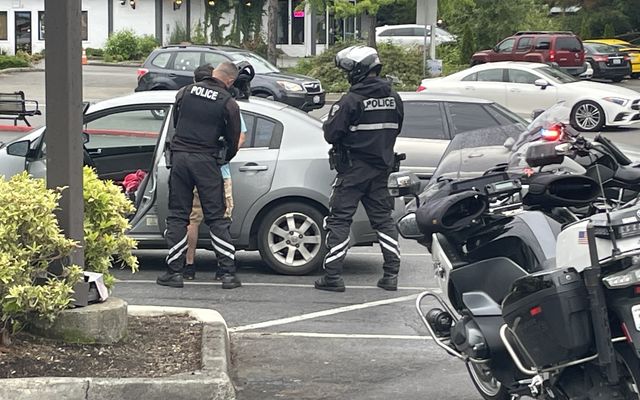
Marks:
<point>616,250</point>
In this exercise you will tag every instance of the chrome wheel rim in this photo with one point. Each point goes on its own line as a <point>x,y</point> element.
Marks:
<point>294,239</point>
<point>485,380</point>
<point>588,116</point>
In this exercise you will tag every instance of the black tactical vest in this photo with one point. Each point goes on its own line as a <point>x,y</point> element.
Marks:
<point>201,120</point>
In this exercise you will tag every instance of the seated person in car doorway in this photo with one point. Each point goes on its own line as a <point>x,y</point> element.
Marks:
<point>196,216</point>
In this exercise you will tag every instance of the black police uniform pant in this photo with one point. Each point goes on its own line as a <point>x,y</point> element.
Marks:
<point>366,184</point>
<point>198,170</point>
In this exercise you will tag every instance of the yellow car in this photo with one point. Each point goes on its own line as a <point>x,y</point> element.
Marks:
<point>633,50</point>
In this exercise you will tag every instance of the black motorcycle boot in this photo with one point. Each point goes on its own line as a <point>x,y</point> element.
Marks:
<point>388,282</point>
<point>330,284</point>
<point>171,279</point>
<point>230,281</point>
<point>219,274</point>
<point>189,272</point>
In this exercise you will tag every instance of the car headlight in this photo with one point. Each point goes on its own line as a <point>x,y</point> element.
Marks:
<point>617,100</point>
<point>290,86</point>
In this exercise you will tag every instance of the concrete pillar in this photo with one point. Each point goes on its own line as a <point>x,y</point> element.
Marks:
<point>63,79</point>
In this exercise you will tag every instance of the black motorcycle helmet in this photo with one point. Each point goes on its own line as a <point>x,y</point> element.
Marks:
<point>358,62</point>
<point>242,84</point>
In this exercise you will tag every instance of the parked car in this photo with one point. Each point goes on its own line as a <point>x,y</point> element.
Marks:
<point>281,176</point>
<point>526,87</point>
<point>562,50</point>
<point>171,67</point>
<point>607,61</point>
<point>625,47</point>
<point>411,35</point>
<point>432,120</point>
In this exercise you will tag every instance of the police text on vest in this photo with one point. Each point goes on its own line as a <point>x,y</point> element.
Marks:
<point>204,92</point>
<point>386,103</point>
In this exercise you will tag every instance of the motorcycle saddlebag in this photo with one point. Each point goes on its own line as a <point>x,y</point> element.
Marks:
<point>549,314</point>
<point>550,190</point>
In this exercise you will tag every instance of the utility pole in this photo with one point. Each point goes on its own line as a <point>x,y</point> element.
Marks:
<point>427,15</point>
<point>63,79</point>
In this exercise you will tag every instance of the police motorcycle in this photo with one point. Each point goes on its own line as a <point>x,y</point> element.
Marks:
<point>533,306</point>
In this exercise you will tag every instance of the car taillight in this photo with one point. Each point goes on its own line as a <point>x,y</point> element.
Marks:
<point>142,72</point>
<point>421,88</point>
<point>552,55</point>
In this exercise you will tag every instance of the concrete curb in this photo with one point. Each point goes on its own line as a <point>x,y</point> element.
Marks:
<point>106,64</point>
<point>212,382</point>
<point>25,69</point>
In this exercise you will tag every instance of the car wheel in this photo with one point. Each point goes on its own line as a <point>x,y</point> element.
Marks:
<point>587,116</point>
<point>291,239</point>
<point>264,95</point>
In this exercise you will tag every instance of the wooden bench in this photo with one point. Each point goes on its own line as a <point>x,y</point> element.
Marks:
<point>14,106</point>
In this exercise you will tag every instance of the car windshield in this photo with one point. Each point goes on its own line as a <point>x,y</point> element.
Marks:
<point>556,75</point>
<point>472,153</point>
<point>602,48</point>
<point>260,65</point>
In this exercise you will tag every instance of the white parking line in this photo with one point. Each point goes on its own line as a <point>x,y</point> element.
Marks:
<point>319,314</point>
<point>332,335</point>
<point>265,284</point>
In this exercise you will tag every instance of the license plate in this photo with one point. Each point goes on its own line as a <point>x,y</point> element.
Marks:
<point>316,99</point>
<point>617,61</point>
<point>635,311</point>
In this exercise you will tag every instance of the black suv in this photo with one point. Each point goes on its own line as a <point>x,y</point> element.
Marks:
<point>171,67</point>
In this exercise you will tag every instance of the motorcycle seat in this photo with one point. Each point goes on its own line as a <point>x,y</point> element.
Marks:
<point>629,175</point>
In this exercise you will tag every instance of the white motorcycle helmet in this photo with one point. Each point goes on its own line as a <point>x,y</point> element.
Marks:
<point>358,62</point>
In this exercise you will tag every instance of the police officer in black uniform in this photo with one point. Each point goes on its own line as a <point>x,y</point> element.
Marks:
<point>362,127</point>
<point>204,113</point>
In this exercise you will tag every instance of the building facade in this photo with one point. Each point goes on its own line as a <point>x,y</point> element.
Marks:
<point>22,23</point>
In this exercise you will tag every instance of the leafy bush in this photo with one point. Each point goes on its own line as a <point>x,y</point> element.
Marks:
<point>105,222</point>
<point>402,62</point>
<point>146,44</point>
<point>178,34</point>
<point>91,52</point>
<point>12,62</point>
<point>30,241</point>
<point>122,44</point>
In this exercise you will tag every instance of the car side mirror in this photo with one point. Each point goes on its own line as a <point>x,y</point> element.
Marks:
<point>19,149</point>
<point>536,113</point>
<point>541,83</point>
<point>508,144</point>
<point>402,184</point>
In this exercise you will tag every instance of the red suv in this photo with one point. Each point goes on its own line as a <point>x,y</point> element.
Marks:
<point>562,50</point>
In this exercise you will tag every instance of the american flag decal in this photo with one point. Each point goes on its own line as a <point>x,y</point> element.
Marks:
<point>582,237</point>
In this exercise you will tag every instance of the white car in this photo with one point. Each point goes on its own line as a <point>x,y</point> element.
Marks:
<point>411,35</point>
<point>525,87</point>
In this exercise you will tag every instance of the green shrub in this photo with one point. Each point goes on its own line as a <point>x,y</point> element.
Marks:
<point>105,222</point>
<point>146,44</point>
<point>402,62</point>
<point>31,240</point>
<point>91,52</point>
<point>122,44</point>
<point>178,34</point>
<point>12,62</point>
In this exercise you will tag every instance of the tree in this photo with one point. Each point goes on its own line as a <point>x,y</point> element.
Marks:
<point>272,31</point>
<point>346,8</point>
<point>609,31</point>
<point>585,28</point>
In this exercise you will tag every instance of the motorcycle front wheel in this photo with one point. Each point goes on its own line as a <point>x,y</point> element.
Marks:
<point>629,370</point>
<point>486,384</point>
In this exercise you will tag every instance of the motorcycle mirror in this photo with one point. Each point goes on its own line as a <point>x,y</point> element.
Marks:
<point>408,227</point>
<point>543,153</point>
<point>508,144</point>
<point>536,113</point>
<point>402,184</point>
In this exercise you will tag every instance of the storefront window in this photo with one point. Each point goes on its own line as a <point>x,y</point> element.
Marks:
<point>297,25</point>
<point>283,22</point>
<point>321,28</point>
<point>84,29</point>
<point>3,25</point>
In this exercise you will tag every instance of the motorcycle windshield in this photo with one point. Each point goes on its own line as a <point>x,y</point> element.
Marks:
<point>546,127</point>
<point>471,154</point>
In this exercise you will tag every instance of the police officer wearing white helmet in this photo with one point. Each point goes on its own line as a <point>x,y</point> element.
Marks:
<point>362,127</point>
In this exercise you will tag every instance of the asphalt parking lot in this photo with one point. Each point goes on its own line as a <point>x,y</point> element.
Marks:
<point>289,340</point>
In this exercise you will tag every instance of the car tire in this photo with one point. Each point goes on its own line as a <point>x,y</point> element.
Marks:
<point>264,95</point>
<point>635,75</point>
<point>588,116</point>
<point>291,238</point>
<point>618,79</point>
